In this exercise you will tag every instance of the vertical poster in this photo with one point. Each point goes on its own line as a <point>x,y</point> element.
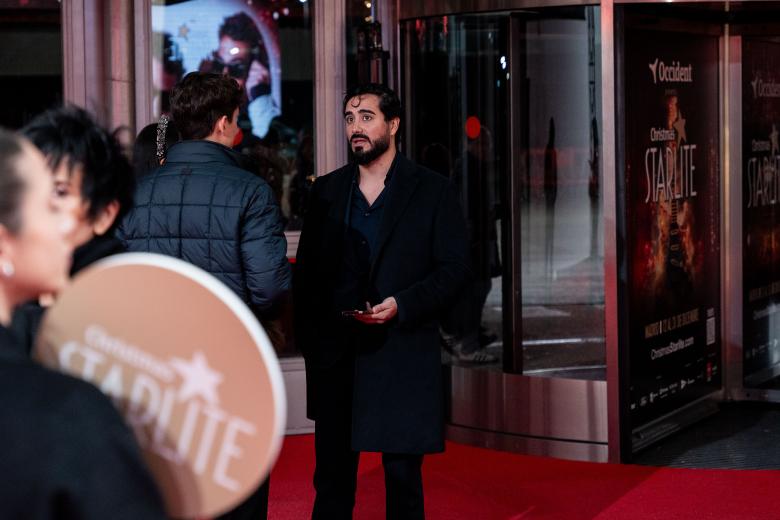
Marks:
<point>760,209</point>
<point>673,221</point>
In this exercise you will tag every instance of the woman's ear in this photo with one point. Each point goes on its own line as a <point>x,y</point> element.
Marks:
<point>105,219</point>
<point>6,247</point>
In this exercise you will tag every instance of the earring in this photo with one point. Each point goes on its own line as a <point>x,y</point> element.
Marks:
<point>7,269</point>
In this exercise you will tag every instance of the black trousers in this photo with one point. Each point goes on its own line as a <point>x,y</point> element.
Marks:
<point>255,507</point>
<point>335,475</point>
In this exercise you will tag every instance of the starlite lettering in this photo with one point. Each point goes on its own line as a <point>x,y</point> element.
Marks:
<point>674,73</point>
<point>182,392</point>
<point>763,179</point>
<point>669,174</point>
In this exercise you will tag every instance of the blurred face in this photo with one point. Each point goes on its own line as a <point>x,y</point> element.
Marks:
<point>234,57</point>
<point>67,196</point>
<point>39,251</point>
<point>368,133</point>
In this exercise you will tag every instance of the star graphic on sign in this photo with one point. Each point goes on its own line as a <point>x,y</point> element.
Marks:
<point>198,378</point>
<point>773,138</point>
<point>679,127</point>
<point>184,31</point>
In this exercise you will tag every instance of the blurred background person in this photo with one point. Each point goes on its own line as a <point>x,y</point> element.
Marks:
<point>66,452</point>
<point>167,70</point>
<point>475,175</point>
<point>550,194</point>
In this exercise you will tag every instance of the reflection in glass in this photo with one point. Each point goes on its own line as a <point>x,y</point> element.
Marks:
<point>458,85</point>
<point>30,60</point>
<point>457,72</point>
<point>266,47</point>
<point>561,247</point>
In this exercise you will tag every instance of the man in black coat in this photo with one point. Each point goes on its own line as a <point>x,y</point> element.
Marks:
<point>202,207</point>
<point>383,252</point>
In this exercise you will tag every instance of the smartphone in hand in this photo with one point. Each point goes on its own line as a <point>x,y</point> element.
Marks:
<point>356,312</point>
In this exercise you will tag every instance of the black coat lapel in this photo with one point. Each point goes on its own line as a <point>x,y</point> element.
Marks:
<point>342,187</point>
<point>402,187</point>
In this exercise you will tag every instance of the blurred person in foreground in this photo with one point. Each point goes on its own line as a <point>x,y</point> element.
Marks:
<point>203,208</point>
<point>66,452</point>
<point>93,184</point>
<point>382,254</point>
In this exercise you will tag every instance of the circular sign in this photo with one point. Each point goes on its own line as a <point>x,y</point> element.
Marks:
<point>187,364</point>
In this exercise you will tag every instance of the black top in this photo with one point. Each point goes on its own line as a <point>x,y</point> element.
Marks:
<point>99,247</point>
<point>66,453</point>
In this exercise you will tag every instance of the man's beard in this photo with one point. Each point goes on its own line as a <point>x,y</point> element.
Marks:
<point>363,156</point>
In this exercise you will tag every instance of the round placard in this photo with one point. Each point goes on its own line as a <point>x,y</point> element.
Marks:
<point>187,364</point>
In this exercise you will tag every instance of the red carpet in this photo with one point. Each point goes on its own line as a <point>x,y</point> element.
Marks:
<point>474,484</point>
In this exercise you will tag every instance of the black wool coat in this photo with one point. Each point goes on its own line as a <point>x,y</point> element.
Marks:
<point>395,399</point>
<point>66,454</point>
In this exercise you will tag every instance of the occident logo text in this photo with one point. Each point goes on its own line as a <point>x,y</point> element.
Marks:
<point>765,89</point>
<point>674,73</point>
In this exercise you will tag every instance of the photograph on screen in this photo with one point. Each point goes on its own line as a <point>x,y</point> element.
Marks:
<point>221,36</point>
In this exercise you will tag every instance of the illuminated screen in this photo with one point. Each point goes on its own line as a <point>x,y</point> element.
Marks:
<point>224,36</point>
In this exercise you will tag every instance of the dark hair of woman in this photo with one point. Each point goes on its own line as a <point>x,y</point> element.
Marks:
<point>152,144</point>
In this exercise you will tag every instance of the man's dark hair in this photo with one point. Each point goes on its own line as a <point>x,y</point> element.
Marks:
<point>12,185</point>
<point>389,103</point>
<point>70,135</point>
<point>241,28</point>
<point>200,99</point>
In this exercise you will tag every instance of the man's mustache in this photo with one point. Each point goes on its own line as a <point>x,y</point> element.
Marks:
<point>359,136</point>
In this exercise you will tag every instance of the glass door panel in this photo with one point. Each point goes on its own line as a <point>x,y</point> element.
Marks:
<point>507,105</point>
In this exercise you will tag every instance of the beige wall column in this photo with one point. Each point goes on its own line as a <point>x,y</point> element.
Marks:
<point>121,66</point>
<point>142,19</point>
<point>83,57</point>
<point>329,84</point>
<point>98,59</point>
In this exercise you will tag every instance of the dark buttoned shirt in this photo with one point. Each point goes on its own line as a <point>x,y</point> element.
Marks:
<point>360,245</point>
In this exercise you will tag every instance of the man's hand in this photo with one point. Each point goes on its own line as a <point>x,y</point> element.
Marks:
<point>258,75</point>
<point>381,313</point>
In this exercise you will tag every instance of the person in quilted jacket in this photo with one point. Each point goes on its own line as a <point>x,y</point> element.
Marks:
<point>202,207</point>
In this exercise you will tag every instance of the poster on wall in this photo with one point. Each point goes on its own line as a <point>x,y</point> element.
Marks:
<point>224,36</point>
<point>672,210</point>
<point>761,209</point>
